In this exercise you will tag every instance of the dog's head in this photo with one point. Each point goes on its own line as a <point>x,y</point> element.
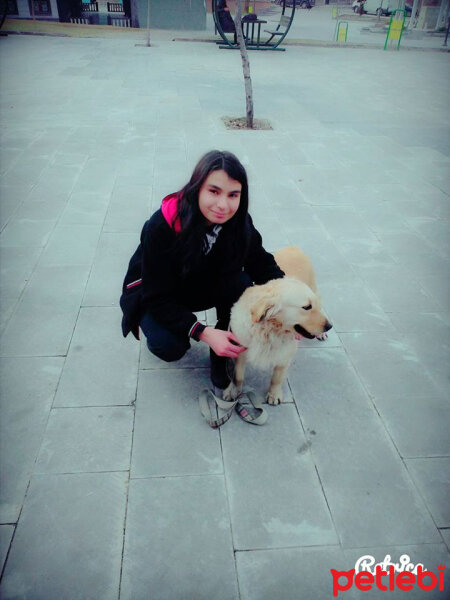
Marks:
<point>291,305</point>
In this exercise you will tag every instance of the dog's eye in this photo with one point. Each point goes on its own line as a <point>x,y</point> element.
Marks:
<point>308,307</point>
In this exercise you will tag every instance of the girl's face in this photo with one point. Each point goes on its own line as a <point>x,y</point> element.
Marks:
<point>219,197</point>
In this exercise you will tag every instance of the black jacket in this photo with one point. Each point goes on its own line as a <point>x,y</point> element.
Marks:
<point>153,282</point>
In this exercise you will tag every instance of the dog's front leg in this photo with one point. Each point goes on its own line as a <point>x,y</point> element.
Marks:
<point>235,387</point>
<point>275,393</point>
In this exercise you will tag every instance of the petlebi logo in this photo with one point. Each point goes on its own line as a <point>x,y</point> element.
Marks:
<point>387,575</point>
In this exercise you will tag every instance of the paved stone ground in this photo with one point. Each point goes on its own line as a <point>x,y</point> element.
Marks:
<point>112,482</point>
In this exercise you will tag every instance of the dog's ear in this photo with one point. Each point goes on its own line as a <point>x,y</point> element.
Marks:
<point>265,307</point>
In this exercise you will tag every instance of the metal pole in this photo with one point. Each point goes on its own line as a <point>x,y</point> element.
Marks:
<point>148,23</point>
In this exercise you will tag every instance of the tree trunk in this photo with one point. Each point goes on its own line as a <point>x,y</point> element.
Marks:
<point>134,13</point>
<point>443,15</point>
<point>412,19</point>
<point>245,65</point>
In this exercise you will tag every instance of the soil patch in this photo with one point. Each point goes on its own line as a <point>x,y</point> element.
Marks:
<point>241,123</point>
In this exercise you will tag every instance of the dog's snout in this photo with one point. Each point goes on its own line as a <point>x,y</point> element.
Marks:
<point>327,326</point>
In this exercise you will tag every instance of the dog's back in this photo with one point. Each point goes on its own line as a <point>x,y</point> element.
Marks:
<point>295,263</point>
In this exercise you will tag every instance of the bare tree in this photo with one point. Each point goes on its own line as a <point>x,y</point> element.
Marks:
<point>412,18</point>
<point>245,65</point>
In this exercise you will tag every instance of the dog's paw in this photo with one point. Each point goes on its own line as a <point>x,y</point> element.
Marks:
<point>230,393</point>
<point>274,399</point>
<point>322,336</point>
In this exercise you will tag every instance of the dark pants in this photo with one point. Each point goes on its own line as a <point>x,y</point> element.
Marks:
<point>169,346</point>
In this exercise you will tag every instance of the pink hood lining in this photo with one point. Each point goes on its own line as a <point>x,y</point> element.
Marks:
<point>169,209</point>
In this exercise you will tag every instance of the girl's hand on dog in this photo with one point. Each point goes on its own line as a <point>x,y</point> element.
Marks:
<point>224,343</point>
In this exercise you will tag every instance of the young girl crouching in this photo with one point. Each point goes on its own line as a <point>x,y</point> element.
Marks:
<point>200,250</point>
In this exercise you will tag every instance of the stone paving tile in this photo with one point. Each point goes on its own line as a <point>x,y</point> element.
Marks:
<point>56,179</point>
<point>353,308</point>
<point>178,540</point>
<point>109,267</point>
<point>396,288</point>
<point>25,405</point>
<point>71,245</point>
<point>420,204</point>
<point>68,543</point>
<point>87,440</point>
<point>16,135</point>
<point>285,194</point>
<point>429,555</point>
<point>27,171</point>
<point>16,266</point>
<point>446,536</point>
<point>69,159</point>
<point>383,217</point>
<point>424,264</point>
<point>47,208</point>
<point>6,533</point>
<point>85,208</point>
<point>387,365</point>
<point>39,331</point>
<point>432,477</point>
<point>360,470</point>
<point>343,222</point>
<point>289,573</point>
<point>97,176</point>
<point>12,197</point>
<point>436,232</point>
<point>413,250</point>
<point>304,217</point>
<point>9,303</point>
<point>329,263</point>
<point>307,238</point>
<point>20,233</point>
<point>9,157</point>
<point>171,437</point>
<point>364,252</point>
<point>81,140</point>
<point>291,513</point>
<point>45,318</point>
<point>100,369</point>
<point>428,335</point>
<point>119,217</point>
<point>404,419</point>
<point>48,142</point>
<point>47,282</point>
<point>274,239</point>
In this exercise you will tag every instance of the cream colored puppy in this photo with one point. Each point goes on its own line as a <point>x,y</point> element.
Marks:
<point>267,317</point>
<point>295,263</point>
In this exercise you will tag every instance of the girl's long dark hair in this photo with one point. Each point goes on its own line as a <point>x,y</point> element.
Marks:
<point>193,224</point>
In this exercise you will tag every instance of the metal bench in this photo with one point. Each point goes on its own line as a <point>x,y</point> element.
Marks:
<point>282,26</point>
<point>253,28</point>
